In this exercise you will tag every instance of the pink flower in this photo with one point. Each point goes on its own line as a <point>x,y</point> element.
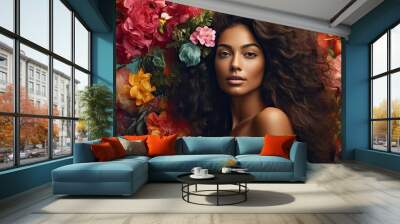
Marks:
<point>203,35</point>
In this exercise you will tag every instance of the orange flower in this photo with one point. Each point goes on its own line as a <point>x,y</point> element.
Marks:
<point>163,124</point>
<point>141,89</point>
<point>329,44</point>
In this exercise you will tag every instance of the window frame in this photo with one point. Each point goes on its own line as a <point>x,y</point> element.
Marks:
<point>388,74</point>
<point>51,118</point>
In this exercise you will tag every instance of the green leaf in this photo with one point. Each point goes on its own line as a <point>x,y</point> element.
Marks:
<point>96,102</point>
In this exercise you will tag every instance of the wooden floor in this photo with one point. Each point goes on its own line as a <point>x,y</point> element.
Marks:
<point>377,188</point>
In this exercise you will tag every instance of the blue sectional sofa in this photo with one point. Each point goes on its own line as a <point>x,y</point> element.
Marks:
<point>125,176</point>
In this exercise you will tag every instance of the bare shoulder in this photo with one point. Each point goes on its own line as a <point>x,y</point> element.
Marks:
<point>272,121</point>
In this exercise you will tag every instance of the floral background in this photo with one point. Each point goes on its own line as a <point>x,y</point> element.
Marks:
<point>155,39</point>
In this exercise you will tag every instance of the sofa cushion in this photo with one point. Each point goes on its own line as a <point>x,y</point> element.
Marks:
<point>161,145</point>
<point>135,137</point>
<point>277,145</point>
<point>103,151</point>
<point>116,145</point>
<point>257,163</point>
<point>134,147</point>
<point>207,145</point>
<point>185,163</point>
<point>249,145</point>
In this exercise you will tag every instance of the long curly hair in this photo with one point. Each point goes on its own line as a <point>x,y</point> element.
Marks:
<point>293,82</point>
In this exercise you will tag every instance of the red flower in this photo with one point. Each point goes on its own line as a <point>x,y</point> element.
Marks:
<point>140,25</point>
<point>135,30</point>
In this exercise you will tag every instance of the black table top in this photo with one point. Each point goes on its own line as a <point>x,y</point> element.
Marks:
<point>220,178</point>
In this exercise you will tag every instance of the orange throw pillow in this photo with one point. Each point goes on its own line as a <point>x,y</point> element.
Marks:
<point>277,145</point>
<point>135,137</point>
<point>103,151</point>
<point>161,145</point>
<point>116,145</point>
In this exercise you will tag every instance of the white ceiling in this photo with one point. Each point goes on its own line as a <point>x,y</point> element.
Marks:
<point>319,9</point>
<point>315,15</point>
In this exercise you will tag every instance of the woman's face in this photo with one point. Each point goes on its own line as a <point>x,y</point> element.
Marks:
<point>239,61</point>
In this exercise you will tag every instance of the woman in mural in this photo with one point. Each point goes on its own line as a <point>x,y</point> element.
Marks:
<point>262,79</point>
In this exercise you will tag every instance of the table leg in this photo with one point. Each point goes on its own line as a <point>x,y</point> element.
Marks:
<point>188,189</point>
<point>245,193</point>
<point>217,194</point>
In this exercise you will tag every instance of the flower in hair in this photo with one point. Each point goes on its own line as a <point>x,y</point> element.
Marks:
<point>203,35</point>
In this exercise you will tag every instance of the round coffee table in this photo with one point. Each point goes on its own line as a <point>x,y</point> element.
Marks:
<point>238,179</point>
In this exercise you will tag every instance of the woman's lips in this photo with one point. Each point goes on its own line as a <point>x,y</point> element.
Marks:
<point>235,80</point>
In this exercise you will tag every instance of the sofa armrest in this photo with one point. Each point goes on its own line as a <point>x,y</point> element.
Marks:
<point>298,155</point>
<point>83,152</point>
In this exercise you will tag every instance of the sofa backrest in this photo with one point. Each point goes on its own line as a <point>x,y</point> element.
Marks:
<point>83,152</point>
<point>249,145</point>
<point>206,145</point>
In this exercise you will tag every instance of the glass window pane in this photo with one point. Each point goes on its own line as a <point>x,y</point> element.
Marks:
<point>6,74</point>
<point>6,142</point>
<point>62,138</point>
<point>81,131</point>
<point>62,29</point>
<point>379,135</point>
<point>62,89</point>
<point>81,45</point>
<point>395,47</point>
<point>35,21</point>
<point>34,80</point>
<point>81,81</point>
<point>7,14</point>
<point>33,139</point>
<point>395,136</point>
<point>395,94</point>
<point>379,55</point>
<point>379,97</point>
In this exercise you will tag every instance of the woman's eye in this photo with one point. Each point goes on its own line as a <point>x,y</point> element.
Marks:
<point>250,54</point>
<point>223,54</point>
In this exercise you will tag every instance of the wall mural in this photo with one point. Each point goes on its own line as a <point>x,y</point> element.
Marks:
<point>193,72</point>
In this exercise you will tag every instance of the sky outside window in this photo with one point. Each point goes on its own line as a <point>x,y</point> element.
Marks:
<point>7,14</point>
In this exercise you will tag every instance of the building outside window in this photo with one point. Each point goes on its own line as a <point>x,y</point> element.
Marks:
<point>3,61</point>
<point>43,78</point>
<point>30,87</point>
<point>37,75</point>
<point>30,72</point>
<point>43,90</point>
<point>3,72</point>
<point>3,77</point>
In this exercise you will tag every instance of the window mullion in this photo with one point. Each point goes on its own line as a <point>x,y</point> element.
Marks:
<point>73,82</point>
<point>16,70</point>
<point>371,89</point>
<point>389,106</point>
<point>50,81</point>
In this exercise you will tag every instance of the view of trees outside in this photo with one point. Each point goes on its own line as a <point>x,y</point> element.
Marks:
<point>33,131</point>
<point>379,128</point>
